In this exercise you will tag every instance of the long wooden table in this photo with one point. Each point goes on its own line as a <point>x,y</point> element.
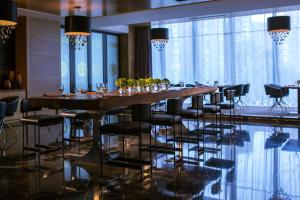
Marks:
<point>98,106</point>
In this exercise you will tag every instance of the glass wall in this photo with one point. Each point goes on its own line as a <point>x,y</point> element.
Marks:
<point>65,62</point>
<point>112,61</point>
<point>81,69</point>
<point>231,50</point>
<point>97,59</point>
<point>97,62</point>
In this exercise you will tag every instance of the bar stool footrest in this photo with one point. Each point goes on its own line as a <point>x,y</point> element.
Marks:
<point>161,149</point>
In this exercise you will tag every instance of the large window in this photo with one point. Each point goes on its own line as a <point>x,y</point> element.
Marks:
<point>231,50</point>
<point>65,62</point>
<point>97,62</point>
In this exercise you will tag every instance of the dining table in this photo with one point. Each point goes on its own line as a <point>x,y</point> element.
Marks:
<point>98,105</point>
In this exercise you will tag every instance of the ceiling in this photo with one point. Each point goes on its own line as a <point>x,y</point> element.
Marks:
<point>97,8</point>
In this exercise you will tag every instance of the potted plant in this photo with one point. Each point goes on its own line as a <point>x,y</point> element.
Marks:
<point>141,83</point>
<point>166,83</point>
<point>131,84</point>
<point>149,84</point>
<point>156,83</point>
<point>122,84</point>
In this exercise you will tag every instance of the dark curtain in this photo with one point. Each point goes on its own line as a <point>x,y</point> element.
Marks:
<point>143,54</point>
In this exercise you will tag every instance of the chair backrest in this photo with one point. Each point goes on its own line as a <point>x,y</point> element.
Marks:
<point>2,110</point>
<point>215,97</point>
<point>141,112</point>
<point>26,106</point>
<point>197,101</point>
<point>274,91</point>
<point>246,88</point>
<point>229,94</point>
<point>174,106</point>
<point>11,105</point>
<point>267,89</point>
<point>239,90</point>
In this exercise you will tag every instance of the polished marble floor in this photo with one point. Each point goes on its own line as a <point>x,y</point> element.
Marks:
<point>264,165</point>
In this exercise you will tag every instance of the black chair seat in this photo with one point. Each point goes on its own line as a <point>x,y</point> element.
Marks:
<point>211,108</point>
<point>42,120</point>
<point>76,114</point>
<point>191,113</point>
<point>165,119</point>
<point>226,106</point>
<point>127,128</point>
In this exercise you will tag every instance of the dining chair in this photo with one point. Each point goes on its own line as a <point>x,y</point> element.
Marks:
<point>38,121</point>
<point>9,137</point>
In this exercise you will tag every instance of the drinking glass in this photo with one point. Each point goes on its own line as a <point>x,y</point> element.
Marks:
<point>99,88</point>
<point>181,83</point>
<point>61,90</point>
<point>105,87</point>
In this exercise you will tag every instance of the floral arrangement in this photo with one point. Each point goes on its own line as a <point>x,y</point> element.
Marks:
<point>121,83</point>
<point>141,84</point>
<point>131,83</point>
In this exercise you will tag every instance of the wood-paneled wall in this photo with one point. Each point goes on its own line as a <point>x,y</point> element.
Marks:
<point>39,55</point>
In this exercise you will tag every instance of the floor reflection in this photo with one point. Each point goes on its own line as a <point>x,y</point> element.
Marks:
<point>253,163</point>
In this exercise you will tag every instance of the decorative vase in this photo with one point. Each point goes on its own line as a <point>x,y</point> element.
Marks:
<point>18,81</point>
<point>7,84</point>
<point>11,77</point>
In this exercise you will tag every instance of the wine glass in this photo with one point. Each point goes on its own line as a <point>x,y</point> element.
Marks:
<point>61,90</point>
<point>105,87</point>
<point>99,88</point>
<point>181,83</point>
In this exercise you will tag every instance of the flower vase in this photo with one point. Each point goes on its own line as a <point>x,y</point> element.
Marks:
<point>19,81</point>
<point>11,78</point>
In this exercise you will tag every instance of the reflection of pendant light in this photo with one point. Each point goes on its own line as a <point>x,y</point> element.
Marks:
<point>77,29</point>
<point>159,37</point>
<point>8,19</point>
<point>279,28</point>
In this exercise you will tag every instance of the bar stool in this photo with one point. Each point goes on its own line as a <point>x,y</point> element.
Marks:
<point>139,125</point>
<point>170,118</point>
<point>78,120</point>
<point>11,108</point>
<point>38,121</point>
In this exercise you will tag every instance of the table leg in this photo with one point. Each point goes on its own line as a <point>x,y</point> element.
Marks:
<point>94,155</point>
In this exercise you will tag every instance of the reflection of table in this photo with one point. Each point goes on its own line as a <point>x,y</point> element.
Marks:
<point>298,94</point>
<point>100,105</point>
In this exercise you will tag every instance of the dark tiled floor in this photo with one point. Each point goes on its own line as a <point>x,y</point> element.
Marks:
<point>262,163</point>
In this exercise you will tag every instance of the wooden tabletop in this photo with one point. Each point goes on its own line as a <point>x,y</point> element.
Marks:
<point>114,100</point>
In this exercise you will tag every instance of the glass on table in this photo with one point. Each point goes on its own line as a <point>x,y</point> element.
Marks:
<point>105,87</point>
<point>99,87</point>
<point>181,83</point>
<point>61,90</point>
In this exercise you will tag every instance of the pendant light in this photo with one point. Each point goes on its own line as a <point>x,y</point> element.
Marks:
<point>77,29</point>
<point>279,28</point>
<point>8,19</point>
<point>159,37</point>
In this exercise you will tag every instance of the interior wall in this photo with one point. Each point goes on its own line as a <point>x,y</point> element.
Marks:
<point>7,58</point>
<point>42,56</point>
